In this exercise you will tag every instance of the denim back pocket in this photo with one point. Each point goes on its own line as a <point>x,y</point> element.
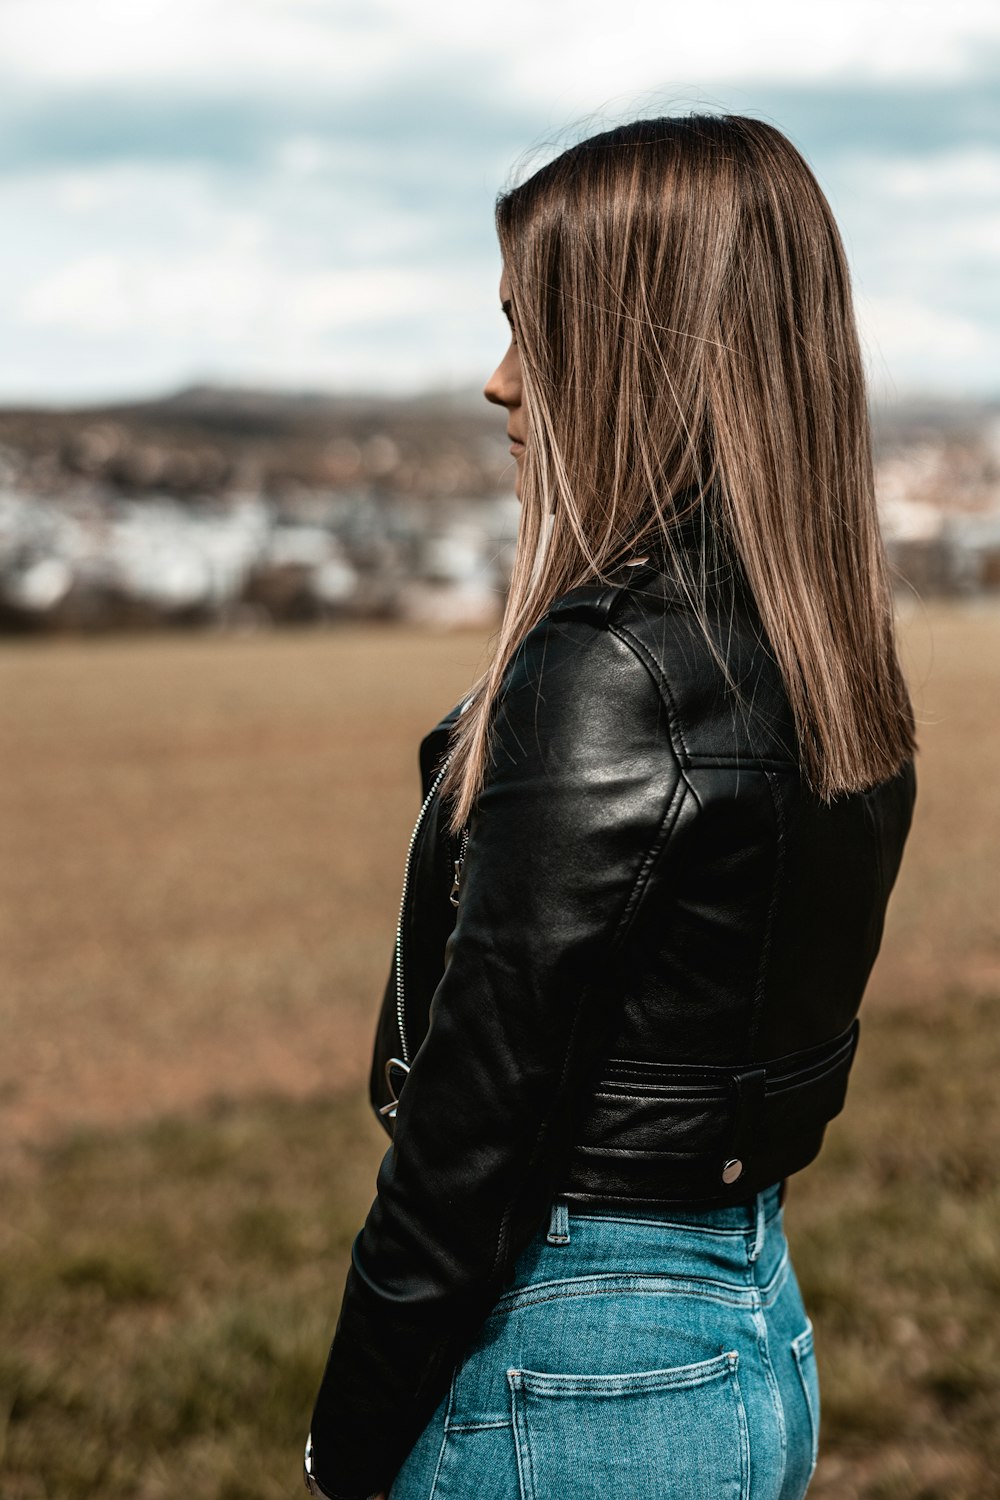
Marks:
<point>680,1432</point>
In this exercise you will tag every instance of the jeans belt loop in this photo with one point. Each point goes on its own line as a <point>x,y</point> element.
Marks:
<point>558,1223</point>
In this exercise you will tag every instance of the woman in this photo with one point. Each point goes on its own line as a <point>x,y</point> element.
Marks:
<point>650,873</point>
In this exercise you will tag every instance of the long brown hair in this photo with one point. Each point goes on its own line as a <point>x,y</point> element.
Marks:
<point>682,306</point>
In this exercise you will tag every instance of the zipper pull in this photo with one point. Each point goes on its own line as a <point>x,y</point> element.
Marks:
<point>453,896</point>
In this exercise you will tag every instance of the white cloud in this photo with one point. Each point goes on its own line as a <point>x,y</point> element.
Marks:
<point>935,217</point>
<point>155,279</point>
<point>972,172</point>
<point>910,345</point>
<point>912,328</point>
<point>227,41</point>
<point>307,195</point>
<point>569,53</point>
<point>110,293</point>
<point>130,276</point>
<point>234,293</point>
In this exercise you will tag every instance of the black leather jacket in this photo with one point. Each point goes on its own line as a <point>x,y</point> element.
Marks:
<point>647,993</point>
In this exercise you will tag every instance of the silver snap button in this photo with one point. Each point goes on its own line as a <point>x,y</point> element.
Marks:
<point>732,1170</point>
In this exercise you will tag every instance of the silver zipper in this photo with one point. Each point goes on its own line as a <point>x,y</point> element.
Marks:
<point>453,896</point>
<point>400,1005</point>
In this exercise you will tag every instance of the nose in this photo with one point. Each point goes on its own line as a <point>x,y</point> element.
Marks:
<point>504,386</point>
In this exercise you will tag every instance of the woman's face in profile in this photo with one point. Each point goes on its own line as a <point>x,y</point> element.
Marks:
<point>504,387</point>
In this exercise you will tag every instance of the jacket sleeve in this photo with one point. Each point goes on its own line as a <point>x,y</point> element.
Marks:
<point>576,809</point>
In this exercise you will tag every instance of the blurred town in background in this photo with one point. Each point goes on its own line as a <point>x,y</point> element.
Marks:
<point>242,509</point>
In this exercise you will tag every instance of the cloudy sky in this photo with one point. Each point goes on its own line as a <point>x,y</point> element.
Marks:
<point>298,193</point>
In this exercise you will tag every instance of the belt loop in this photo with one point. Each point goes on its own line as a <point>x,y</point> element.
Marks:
<point>748,1085</point>
<point>758,1238</point>
<point>558,1224</point>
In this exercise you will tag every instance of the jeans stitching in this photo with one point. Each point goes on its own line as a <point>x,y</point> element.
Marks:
<point>770,1290</point>
<point>629,1383</point>
<point>659,1223</point>
<point>445,1434</point>
<point>763,1345</point>
<point>644,1286</point>
<point>801,1345</point>
<point>525,1476</point>
<point>744,1426</point>
<point>483,1426</point>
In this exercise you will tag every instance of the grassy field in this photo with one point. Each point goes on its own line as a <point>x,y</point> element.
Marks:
<point>202,852</point>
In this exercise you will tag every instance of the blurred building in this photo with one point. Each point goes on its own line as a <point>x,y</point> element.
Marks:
<point>240,510</point>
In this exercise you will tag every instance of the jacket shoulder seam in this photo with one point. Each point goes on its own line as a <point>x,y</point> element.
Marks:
<point>757,1003</point>
<point>682,791</point>
<point>630,639</point>
<point>733,763</point>
<point>666,827</point>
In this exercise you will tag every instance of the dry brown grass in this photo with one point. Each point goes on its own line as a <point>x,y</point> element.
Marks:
<point>203,845</point>
<point>944,923</point>
<point>201,862</point>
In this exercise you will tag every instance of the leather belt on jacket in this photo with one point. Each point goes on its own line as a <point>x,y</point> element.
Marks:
<point>698,1128</point>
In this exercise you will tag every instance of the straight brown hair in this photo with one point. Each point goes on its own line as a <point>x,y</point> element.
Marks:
<point>682,307</point>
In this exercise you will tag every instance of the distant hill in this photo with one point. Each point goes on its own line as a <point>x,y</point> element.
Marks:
<point>209,439</point>
<point>914,419</point>
<point>206,439</point>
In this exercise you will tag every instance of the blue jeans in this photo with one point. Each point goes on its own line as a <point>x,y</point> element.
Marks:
<point>654,1355</point>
